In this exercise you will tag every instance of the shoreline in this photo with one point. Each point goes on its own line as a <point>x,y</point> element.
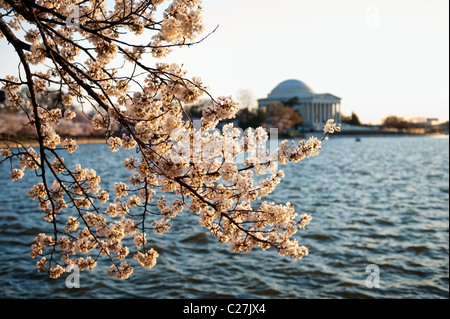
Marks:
<point>98,140</point>
<point>368,134</point>
<point>81,140</point>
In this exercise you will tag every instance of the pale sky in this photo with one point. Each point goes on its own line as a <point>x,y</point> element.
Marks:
<point>381,57</point>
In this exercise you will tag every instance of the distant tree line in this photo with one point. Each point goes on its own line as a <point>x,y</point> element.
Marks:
<point>399,123</point>
<point>13,121</point>
<point>351,120</point>
<point>274,114</point>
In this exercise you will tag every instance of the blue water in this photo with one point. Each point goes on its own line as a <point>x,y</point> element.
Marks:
<point>383,201</point>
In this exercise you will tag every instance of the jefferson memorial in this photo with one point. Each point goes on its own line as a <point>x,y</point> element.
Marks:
<point>314,108</point>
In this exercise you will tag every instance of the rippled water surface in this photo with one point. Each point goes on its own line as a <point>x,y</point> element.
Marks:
<point>383,201</point>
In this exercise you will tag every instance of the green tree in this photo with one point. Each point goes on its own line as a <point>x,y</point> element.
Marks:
<point>292,102</point>
<point>251,118</point>
<point>393,121</point>
<point>352,119</point>
<point>281,116</point>
<point>196,110</point>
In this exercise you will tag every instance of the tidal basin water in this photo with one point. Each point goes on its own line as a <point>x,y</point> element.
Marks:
<point>383,201</point>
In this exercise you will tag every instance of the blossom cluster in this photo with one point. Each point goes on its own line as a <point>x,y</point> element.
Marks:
<point>331,127</point>
<point>221,176</point>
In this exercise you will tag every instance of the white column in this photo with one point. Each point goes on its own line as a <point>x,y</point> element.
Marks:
<point>335,112</point>
<point>305,113</point>
<point>324,105</point>
<point>319,117</point>
<point>320,112</point>
<point>339,113</point>
<point>316,117</point>
<point>324,114</point>
<point>314,112</point>
<point>308,113</point>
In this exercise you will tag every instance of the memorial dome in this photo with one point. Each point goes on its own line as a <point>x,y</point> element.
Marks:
<point>289,89</point>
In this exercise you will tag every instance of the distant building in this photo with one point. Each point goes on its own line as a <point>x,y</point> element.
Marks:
<point>432,121</point>
<point>314,108</point>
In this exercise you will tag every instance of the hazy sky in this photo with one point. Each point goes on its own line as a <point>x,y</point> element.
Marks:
<point>380,57</point>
